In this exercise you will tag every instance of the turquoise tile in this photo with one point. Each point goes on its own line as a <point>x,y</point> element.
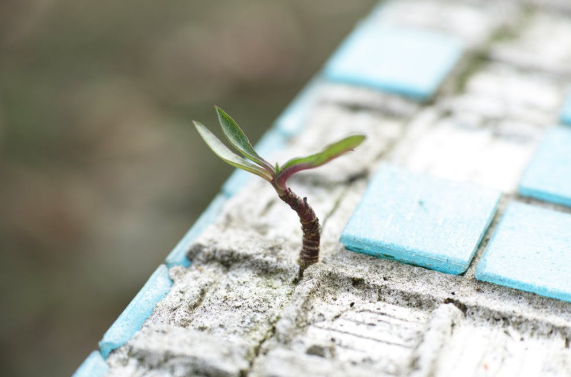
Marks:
<point>93,366</point>
<point>293,119</point>
<point>138,310</point>
<point>566,111</point>
<point>405,61</point>
<point>420,220</point>
<point>177,256</point>
<point>271,142</point>
<point>548,176</point>
<point>531,251</point>
<point>237,180</point>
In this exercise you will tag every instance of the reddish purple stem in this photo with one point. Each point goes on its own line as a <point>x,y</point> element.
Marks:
<point>309,253</point>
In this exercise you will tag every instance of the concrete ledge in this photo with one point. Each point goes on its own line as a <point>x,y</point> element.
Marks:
<point>189,352</point>
<point>243,308</point>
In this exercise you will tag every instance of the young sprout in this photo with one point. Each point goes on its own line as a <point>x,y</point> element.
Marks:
<point>277,175</point>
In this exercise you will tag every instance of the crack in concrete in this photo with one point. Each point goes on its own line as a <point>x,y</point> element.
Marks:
<point>269,335</point>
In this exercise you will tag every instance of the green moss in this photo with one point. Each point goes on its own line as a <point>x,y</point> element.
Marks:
<point>472,66</point>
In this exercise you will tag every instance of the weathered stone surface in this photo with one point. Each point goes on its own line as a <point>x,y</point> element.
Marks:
<point>363,98</point>
<point>485,134</point>
<point>233,292</point>
<point>500,92</point>
<point>477,349</point>
<point>543,43</point>
<point>442,145</point>
<point>435,337</point>
<point>287,363</point>
<point>346,321</point>
<point>475,24</point>
<point>235,288</point>
<point>175,351</point>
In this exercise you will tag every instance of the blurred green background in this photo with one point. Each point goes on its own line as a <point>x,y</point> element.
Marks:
<point>101,172</point>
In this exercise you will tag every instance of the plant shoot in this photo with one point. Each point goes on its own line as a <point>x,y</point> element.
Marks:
<point>277,175</point>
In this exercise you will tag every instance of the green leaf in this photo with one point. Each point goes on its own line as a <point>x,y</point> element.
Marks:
<point>239,140</point>
<point>227,155</point>
<point>329,153</point>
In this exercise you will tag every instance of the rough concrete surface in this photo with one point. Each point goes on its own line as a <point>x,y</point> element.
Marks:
<point>242,308</point>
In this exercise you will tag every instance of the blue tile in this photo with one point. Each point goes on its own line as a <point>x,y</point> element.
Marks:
<point>421,220</point>
<point>566,111</point>
<point>531,251</point>
<point>405,61</point>
<point>93,366</point>
<point>138,310</point>
<point>237,180</point>
<point>271,142</point>
<point>177,256</point>
<point>293,119</point>
<point>548,176</point>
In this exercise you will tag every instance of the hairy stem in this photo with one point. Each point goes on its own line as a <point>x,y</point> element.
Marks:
<point>309,253</point>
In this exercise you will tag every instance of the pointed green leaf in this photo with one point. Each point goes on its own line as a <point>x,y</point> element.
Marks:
<point>239,140</point>
<point>329,153</point>
<point>227,155</point>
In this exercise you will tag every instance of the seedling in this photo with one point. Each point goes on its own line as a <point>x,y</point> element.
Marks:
<point>277,175</point>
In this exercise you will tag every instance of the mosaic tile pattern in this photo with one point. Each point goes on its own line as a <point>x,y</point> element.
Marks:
<point>352,314</point>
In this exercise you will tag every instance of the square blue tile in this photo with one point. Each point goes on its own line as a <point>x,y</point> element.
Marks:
<point>566,111</point>
<point>177,256</point>
<point>137,312</point>
<point>548,176</point>
<point>271,142</point>
<point>531,251</point>
<point>421,220</point>
<point>93,366</point>
<point>405,61</point>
